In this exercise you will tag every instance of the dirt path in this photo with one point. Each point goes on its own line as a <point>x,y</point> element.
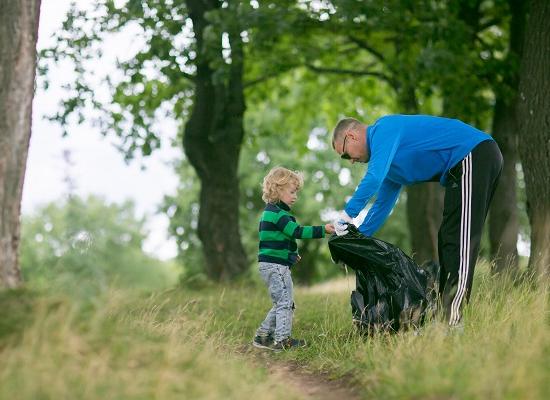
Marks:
<point>313,386</point>
<point>308,385</point>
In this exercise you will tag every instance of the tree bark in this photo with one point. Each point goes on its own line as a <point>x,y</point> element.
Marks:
<point>503,217</point>
<point>424,214</point>
<point>18,36</point>
<point>534,130</point>
<point>306,269</point>
<point>212,141</point>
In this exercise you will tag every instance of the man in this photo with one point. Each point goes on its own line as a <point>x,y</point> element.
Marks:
<point>408,149</point>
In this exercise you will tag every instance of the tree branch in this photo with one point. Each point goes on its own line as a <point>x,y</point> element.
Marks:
<point>343,71</point>
<point>365,46</point>
<point>488,24</point>
<point>268,76</point>
<point>188,76</point>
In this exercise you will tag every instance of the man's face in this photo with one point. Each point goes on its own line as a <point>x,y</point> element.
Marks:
<point>352,148</point>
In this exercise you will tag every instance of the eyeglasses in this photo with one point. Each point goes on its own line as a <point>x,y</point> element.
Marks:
<point>345,156</point>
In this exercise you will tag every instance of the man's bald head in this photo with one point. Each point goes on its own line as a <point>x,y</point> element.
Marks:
<point>343,126</point>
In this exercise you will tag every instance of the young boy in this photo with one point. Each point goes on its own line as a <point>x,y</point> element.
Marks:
<point>278,252</point>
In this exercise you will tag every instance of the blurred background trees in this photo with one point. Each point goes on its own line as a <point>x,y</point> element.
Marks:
<point>254,84</point>
<point>92,244</point>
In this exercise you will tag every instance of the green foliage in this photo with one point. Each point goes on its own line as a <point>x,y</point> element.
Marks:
<point>422,52</point>
<point>328,183</point>
<point>306,64</point>
<point>321,194</point>
<point>85,245</point>
<point>153,84</point>
<point>352,55</point>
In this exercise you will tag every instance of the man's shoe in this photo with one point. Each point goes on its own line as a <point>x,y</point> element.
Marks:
<point>263,342</point>
<point>288,343</point>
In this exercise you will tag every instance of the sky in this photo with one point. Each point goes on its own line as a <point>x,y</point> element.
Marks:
<point>96,167</point>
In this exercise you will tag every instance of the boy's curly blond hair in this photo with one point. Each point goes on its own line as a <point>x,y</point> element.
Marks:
<point>277,179</point>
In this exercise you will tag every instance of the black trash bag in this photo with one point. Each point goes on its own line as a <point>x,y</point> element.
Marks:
<point>392,291</point>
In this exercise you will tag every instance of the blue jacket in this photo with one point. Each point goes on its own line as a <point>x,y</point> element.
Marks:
<point>407,149</point>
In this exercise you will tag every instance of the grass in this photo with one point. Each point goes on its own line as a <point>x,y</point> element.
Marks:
<point>121,348</point>
<point>194,343</point>
<point>503,353</point>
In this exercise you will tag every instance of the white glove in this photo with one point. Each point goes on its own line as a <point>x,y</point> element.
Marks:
<point>341,223</point>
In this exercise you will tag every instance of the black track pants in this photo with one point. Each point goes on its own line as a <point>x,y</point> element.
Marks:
<point>471,184</point>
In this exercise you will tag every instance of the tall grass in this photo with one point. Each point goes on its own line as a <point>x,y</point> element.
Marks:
<point>503,352</point>
<point>192,344</point>
<point>121,348</point>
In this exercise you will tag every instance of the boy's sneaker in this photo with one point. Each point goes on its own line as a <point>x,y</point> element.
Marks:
<point>288,343</point>
<point>263,342</point>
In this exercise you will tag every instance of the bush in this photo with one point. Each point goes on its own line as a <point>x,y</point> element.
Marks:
<point>86,245</point>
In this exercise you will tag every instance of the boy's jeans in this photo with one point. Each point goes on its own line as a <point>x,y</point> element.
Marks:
<point>279,283</point>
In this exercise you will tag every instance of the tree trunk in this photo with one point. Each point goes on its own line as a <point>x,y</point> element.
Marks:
<point>503,218</point>
<point>305,270</point>
<point>18,36</point>
<point>212,142</point>
<point>534,130</point>
<point>424,214</point>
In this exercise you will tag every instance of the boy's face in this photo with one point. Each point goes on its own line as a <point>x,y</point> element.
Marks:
<point>289,194</point>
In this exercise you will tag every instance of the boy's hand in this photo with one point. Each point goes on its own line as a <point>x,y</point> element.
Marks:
<point>329,228</point>
<point>298,258</point>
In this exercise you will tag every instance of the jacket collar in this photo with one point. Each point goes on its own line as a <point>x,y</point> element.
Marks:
<point>283,205</point>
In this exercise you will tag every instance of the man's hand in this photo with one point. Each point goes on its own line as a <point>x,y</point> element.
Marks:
<point>341,227</point>
<point>329,228</point>
<point>341,223</point>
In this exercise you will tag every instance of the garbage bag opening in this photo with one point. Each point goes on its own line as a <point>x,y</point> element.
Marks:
<point>392,291</point>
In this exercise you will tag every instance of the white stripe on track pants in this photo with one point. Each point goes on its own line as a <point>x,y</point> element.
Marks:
<point>471,185</point>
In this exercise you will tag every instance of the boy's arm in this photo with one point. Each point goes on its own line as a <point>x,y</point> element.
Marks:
<point>296,231</point>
